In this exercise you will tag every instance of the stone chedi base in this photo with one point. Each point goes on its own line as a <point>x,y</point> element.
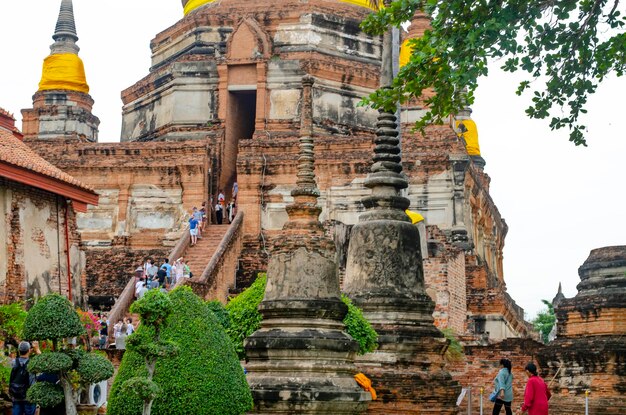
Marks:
<point>590,347</point>
<point>301,361</point>
<point>384,276</point>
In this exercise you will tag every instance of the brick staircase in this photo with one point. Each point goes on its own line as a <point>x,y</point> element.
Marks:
<point>212,261</point>
<point>198,256</point>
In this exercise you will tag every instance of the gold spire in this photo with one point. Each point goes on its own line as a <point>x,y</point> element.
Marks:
<point>192,5</point>
<point>63,69</point>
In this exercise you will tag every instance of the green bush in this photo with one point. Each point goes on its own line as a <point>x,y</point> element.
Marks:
<point>204,378</point>
<point>220,313</point>
<point>244,315</point>
<point>359,328</point>
<point>52,317</point>
<point>245,319</point>
<point>93,368</point>
<point>50,362</point>
<point>46,394</point>
<point>454,352</point>
<point>12,317</point>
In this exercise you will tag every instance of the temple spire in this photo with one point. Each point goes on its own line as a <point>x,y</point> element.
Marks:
<point>65,36</point>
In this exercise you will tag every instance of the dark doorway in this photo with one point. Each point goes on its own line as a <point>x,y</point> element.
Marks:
<point>243,113</point>
<point>240,125</point>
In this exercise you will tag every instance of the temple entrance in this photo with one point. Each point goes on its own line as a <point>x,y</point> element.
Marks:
<point>240,125</point>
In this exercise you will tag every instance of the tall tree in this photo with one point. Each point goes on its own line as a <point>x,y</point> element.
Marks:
<point>566,48</point>
<point>545,320</point>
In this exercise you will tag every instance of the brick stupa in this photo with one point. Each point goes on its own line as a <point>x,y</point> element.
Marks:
<point>590,348</point>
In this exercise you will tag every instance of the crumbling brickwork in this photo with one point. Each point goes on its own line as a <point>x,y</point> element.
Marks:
<point>33,232</point>
<point>589,353</point>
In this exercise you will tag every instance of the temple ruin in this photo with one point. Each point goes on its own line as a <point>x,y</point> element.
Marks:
<point>224,102</point>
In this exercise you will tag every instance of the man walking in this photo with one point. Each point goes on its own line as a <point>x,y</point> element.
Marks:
<point>193,229</point>
<point>197,215</point>
<point>20,380</point>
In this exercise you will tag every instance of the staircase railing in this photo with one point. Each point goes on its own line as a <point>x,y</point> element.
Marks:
<point>181,246</point>
<point>220,273</point>
<point>121,306</point>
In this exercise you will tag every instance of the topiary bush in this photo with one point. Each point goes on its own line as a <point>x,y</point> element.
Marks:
<point>245,319</point>
<point>54,318</point>
<point>204,378</point>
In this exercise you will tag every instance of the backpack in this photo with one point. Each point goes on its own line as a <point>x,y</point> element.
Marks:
<point>19,382</point>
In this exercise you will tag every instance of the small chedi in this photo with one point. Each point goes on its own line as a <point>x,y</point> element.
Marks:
<point>589,353</point>
<point>301,360</point>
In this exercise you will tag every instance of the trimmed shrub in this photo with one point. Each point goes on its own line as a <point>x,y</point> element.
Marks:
<point>46,394</point>
<point>244,315</point>
<point>205,377</point>
<point>245,319</point>
<point>52,317</point>
<point>50,362</point>
<point>93,367</point>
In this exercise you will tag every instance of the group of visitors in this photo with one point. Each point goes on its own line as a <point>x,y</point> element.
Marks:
<point>536,395</point>
<point>163,277</point>
<point>224,211</point>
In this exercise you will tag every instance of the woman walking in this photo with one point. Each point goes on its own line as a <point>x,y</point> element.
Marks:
<point>537,394</point>
<point>503,388</point>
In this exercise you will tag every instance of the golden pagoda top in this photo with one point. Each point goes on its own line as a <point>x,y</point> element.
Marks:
<point>191,5</point>
<point>63,69</point>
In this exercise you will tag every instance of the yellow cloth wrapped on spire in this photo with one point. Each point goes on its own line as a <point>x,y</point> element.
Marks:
<point>362,3</point>
<point>405,53</point>
<point>194,4</point>
<point>366,384</point>
<point>414,216</point>
<point>470,135</point>
<point>63,71</point>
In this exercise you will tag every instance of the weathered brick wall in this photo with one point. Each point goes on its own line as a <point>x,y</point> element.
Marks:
<point>33,232</point>
<point>444,272</point>
<point>594,363</point>
<point>481,365</point>
<point>109,269</point>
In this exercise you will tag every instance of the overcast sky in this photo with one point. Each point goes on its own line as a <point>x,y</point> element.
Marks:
<point>560,201</point>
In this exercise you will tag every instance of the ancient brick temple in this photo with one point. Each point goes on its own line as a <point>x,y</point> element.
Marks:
<point>589,353</point>
<point>222,104</point>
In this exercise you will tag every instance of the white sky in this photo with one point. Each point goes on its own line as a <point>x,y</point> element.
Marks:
<point>560,201</point>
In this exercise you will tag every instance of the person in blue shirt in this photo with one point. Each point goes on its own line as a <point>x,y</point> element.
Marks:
<point>193,230</point>
<point>168,269</point>
<point>503,387</point>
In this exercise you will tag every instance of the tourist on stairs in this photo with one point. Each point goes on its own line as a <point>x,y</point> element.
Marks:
<point>193,230</point>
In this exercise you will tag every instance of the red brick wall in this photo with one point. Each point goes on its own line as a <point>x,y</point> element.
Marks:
<point>481,365</point>
<point>444,272</point>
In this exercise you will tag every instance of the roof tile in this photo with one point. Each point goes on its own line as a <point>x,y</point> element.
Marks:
<point>15,152</point>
